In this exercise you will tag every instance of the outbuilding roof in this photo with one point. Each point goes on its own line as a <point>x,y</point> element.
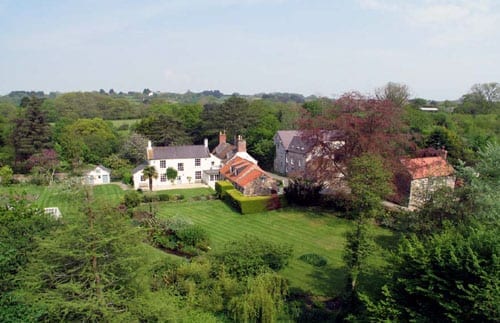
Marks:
<point>427,167</point>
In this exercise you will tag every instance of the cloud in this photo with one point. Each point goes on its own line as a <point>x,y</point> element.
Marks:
<point>446,21</point>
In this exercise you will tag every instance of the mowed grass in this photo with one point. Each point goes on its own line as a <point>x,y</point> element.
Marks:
<point>307,231</point>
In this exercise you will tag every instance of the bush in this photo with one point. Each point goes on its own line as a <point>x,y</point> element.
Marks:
<point>338,201</point>
<point>131,199</point>
<point>194,235</point>
<point>313,259</point>
<point>251,256</point>
<point>163,197</point>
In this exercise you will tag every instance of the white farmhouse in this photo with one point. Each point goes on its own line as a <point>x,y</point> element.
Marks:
<point>193,163</point>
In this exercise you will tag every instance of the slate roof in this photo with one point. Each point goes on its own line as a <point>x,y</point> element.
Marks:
<point>180,152</point>
<point>224,151</point>
<point>299,143</point>
<point>286,136</point>
<point>139,168</point>
<point>427,167</point>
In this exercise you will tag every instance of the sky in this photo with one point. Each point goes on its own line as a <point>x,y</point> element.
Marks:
<point>438,48</point>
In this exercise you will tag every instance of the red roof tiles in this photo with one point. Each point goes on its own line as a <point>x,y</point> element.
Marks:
<point>427,167</point>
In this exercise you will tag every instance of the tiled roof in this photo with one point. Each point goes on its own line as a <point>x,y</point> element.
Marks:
<point>179,152</point>
<point>241,171</point>
<point>427,167</point>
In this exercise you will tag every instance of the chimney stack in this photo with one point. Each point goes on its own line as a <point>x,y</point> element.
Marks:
<point>241,144</point>
<point>205,142</point>
<point>149,151</point>
<point>222,137</point>
<point>444,152</point>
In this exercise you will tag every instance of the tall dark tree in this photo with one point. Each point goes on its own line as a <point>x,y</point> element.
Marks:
<point>234,116</point>
<point>31,132</point>
<point>163,130</point>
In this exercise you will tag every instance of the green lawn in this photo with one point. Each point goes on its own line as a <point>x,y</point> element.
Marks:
<point>307,231</point>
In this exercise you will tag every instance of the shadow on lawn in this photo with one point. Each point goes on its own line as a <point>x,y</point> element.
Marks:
<point>388,242</point>
<point>329,280</point>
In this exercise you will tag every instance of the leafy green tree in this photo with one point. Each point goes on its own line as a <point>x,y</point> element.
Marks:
<point>171,174</point>
<point>369,182</point>
<point>31,132</point>
<point>88,140</point>
<point>150,172</point>
<point>450,277</point>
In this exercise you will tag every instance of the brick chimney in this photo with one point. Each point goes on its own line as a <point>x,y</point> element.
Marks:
<point>222,137</point>
<point>241,144</point>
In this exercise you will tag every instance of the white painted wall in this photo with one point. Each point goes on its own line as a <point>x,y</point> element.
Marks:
<point>98,176</point>
<point>186,176</point>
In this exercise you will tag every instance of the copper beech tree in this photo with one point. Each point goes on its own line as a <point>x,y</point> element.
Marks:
<point>354,125</point>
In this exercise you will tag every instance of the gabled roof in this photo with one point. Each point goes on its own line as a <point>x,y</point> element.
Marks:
<point>91,168</point>
<point>241,171</point>
<point>299,142</point>
<point>286,136</point>
<point>427,167</point>
<point>224,150</point>
<point>139,168</point>
<point>180,152</point>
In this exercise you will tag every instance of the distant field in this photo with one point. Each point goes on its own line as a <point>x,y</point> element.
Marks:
<point>308,231</point>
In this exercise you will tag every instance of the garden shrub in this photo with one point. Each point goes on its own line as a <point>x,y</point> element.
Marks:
<point>163,197</point>
<point>131,199</point>
<point>251,256</point>
<point>313,259</point>
<point>193,235</point>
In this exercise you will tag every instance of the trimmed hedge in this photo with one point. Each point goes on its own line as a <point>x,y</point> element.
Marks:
<point>221,187</point>
<point>246,204</point>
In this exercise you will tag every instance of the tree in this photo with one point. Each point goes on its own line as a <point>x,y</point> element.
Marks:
<point>234,116</point>
<point>163,130</point>
<point>134,148</point>
<point>88,140</point>
<point>481,99</point>
<point>365,125</point>
<point>397,93</point>
<point>369,182</point>
<point>31,132</point>
<point>451,276</point>
<point>86,270</point>
<point>171,174</point>
<point>44,165</point>
<point>150,172</point>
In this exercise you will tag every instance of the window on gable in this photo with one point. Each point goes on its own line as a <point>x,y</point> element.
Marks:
<point>197,162</point>
<point>180,166</point>
<point>163,164</point>
<point>143,178</point>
